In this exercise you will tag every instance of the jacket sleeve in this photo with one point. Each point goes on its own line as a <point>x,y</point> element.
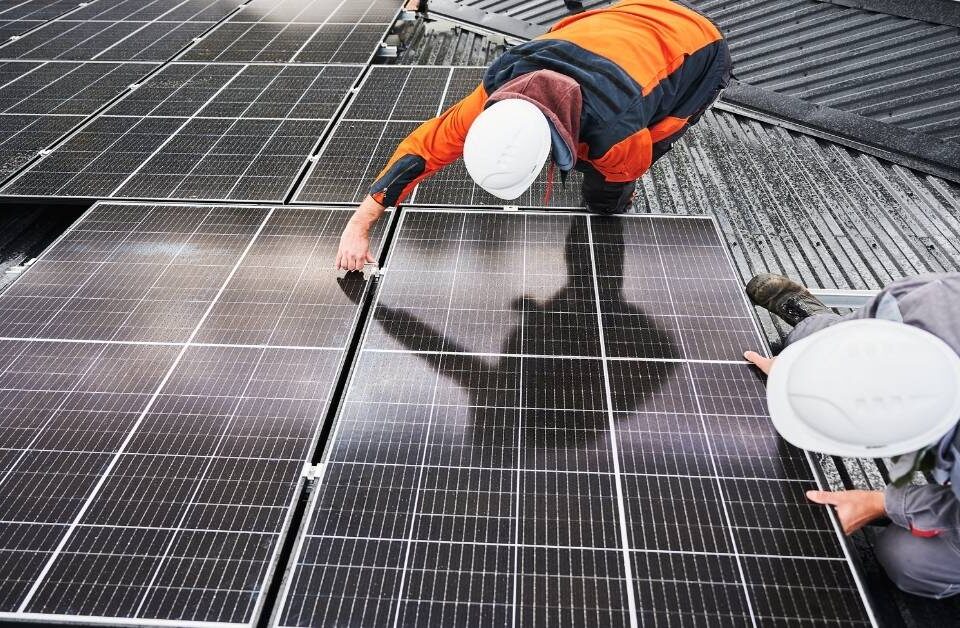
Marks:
<point>628,159</point>
<point>430,147</point>
<point>928,510</point>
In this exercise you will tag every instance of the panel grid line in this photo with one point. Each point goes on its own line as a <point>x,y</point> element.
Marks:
<point>709,446</point>
<point>814,467</point>
<point>122,448</point>
<point>224,430</point>
<point>55,413</point>
<point>422,466</point>
<point>614,448</point>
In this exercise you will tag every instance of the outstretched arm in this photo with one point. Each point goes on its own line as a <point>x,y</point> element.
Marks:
<point>430,147</point>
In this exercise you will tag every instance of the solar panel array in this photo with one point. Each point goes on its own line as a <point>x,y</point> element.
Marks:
<point>392,102</point>
<point>547,419</point>
<point>164,371</point>
<point>543,427</point>
<point>233,117</point>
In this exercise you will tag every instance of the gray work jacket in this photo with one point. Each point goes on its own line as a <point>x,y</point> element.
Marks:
<point>932,303</point>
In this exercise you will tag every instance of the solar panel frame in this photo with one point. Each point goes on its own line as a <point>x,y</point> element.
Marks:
<point>752,560</point>
<point>268,213</point>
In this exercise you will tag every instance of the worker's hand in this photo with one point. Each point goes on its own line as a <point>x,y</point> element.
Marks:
<point>762,363</point>
<point>855,509</point>
<point>354,249</point>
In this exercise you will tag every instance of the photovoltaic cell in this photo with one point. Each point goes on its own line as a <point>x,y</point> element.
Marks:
<point>197,131</point>
<point>161,472</point>
<point>529,458</point>
<point>404,97</point>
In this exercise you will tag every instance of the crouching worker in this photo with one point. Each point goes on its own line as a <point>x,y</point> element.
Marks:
<point>606,92</point>
<point>882,382</point>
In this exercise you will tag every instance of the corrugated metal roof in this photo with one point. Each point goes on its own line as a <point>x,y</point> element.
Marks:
<point>824,214</point>
<point>892,69</point>
<point>543,12</point>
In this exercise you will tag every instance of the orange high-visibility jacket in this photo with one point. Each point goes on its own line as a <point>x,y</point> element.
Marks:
<point>644,68</point>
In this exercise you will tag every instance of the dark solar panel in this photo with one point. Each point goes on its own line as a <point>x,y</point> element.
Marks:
<point>406,96</point>
<point>197,131</point>
<point>158,403</point>
<point>305,31</point>
<point>104,41</point>
<point>62,87</point>
<point>41,101</point>
<point>40,10</point>
<point>22,136</point>
<point>507,452</point>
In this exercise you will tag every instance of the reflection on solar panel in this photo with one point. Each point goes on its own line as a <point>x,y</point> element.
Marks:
<point>543,426</point>
<point>197,131</point>
<point>404,97</point>
<point>163,374</point>
<point>301,31</point>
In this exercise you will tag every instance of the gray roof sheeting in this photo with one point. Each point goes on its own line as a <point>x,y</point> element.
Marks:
<point>891,69</point>
<point>896,70</point>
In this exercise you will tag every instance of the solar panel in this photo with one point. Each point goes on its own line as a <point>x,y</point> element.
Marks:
<point>305,31</point>
<point>403,97</point>
<point>40,10</point>
<point>17,18</point>
<point>64,88</point>
<point>120,30</point>
<point>104,41</point>
<point>41,101</point>
<point>164,370</point>
<point>539,430</point>
<point>198,131</point>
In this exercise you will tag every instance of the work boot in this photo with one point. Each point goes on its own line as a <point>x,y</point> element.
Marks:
<point>784,297</point>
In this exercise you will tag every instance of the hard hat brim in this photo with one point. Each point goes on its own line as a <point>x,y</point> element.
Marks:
<point>797,432</point>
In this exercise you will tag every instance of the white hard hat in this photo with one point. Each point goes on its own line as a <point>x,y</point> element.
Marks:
<point>866,388</point>
<point>506,147</point>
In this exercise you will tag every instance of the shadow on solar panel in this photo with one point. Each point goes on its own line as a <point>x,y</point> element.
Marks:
<point>492,319</point>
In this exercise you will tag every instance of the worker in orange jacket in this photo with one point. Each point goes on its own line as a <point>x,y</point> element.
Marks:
<point>605,92</point>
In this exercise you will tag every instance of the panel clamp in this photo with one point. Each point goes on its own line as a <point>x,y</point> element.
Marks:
<point>369,271</point>
<point>314,472</point>
<point>511,208</point>
<point>44,152</point>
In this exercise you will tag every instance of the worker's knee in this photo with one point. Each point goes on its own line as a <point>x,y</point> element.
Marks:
<point>928,567</point>
<point>602,197</point>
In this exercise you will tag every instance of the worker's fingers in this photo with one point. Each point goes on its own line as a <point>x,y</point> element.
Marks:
<point>824,497</point>
<point>338,263</point>
<point>759,361</point>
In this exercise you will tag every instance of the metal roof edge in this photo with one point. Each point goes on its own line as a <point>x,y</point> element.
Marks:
<point>888,142</point>
<point>494,22</point>
<point>946,12</point>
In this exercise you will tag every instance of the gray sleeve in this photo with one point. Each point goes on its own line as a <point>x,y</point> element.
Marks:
<point>929,508</point>
<point>927,301</point>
